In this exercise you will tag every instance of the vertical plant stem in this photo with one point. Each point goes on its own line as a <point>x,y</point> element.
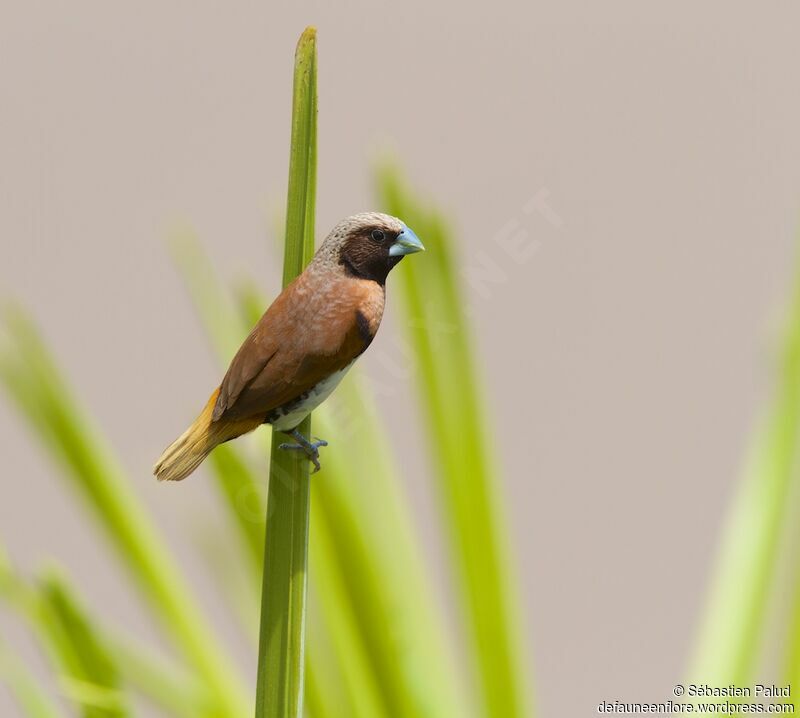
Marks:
<point>279,690</point>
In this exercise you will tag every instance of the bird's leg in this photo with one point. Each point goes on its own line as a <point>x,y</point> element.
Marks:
<point>311,448</point>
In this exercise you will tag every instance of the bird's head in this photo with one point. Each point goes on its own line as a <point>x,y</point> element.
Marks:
<point>368,245</point>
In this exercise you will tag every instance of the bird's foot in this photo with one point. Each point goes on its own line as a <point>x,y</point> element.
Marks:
<point>310,448</point>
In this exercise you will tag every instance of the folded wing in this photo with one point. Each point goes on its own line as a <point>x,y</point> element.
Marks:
<point>304,337</point>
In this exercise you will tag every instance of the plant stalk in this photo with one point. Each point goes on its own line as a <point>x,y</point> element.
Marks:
<point>279,689</point>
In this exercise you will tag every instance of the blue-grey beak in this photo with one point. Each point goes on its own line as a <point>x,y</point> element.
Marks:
<point>406,243</point>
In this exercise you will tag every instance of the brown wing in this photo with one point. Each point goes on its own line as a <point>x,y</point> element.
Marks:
<point>309,332</point>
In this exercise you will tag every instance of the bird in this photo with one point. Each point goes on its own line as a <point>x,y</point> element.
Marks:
<point>303,345</point>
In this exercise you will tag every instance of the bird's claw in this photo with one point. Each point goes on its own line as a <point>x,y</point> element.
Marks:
<point>310,448</point>
<point>311,451</point>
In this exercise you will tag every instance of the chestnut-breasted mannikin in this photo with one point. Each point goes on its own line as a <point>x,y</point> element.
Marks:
<point>303,345</point>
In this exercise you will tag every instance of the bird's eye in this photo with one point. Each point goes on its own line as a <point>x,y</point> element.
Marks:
<point>378,235</point>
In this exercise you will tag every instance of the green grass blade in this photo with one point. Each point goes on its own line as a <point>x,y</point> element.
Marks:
<point>450,402</point>
<point>381,562</point>
<point>34,382</point>
<point>164,685</point>
<point>88,669</point>
<point>791,668</point>
<point>16,593</point>
<point>362,695</point>
<point>281,657</point>
<point>219,314</point>
<point>226,329</point>
<point>31,698</point>
<point>737,608</point>
<point>316,704</point>
<point>72,642</point>
<point>27,693</point>
<point>237,480</point>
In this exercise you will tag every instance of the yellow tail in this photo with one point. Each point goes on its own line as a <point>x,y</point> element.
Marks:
<point>187,452</point>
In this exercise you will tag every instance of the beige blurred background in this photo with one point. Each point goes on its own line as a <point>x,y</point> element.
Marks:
<point>626,358</point>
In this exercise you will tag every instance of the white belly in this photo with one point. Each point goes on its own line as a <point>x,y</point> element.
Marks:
<point>292,415</point>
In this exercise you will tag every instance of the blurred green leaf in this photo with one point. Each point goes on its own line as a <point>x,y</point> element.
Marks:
<point>95,700</point>
<point>451,405</point>
<point>165,685</point>
<point>381,562</point>
<point>219,314</point>
<point>155,677</point>
<point>89,674</point>
<point>243,496</point>
<point>71,641</point>
<point>226,329</point>
<point>28,694</point>
<point>737,611</point>
<point>359,681</point>
<point>33,381</point>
